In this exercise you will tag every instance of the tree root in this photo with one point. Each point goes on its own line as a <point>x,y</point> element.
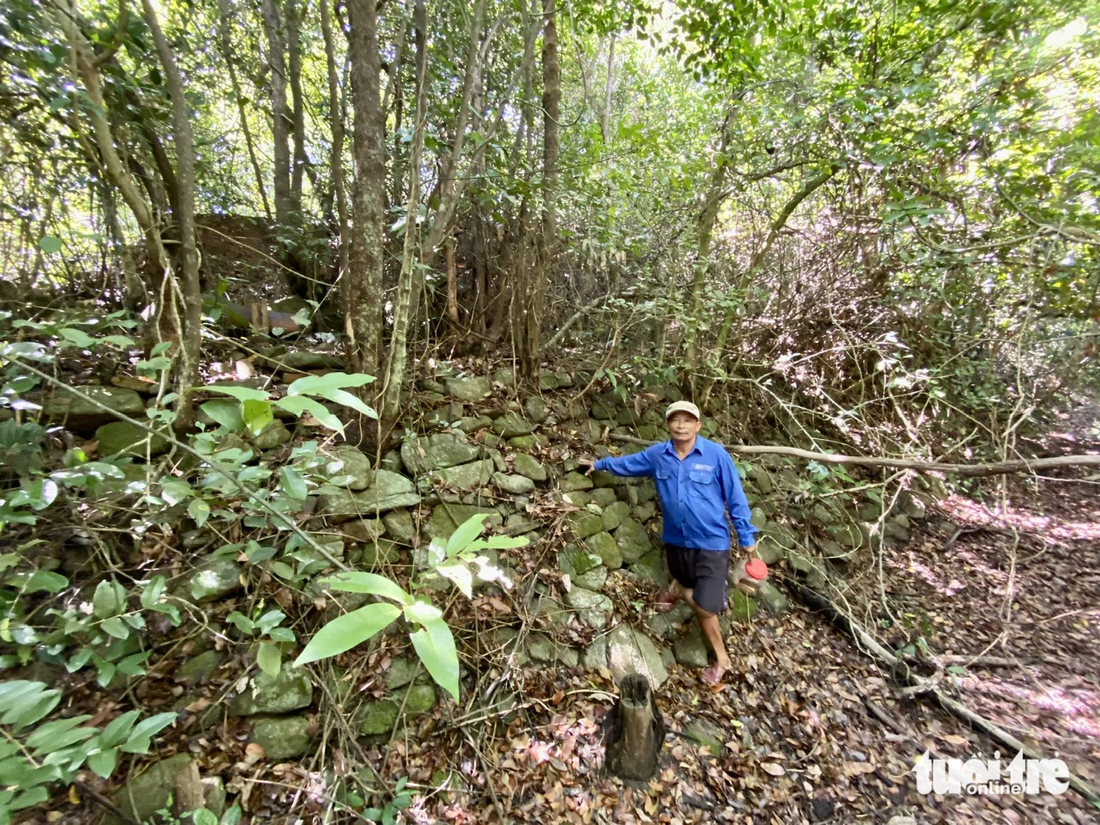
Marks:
<point>903,673</point>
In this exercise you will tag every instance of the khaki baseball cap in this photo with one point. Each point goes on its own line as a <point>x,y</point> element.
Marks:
<point>682,406</point>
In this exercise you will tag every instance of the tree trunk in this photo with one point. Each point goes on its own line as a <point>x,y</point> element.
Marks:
<point>280,116</point>
<point>408,285</point>
<point>188,300</point>
<point>363,284</point>
<point>634,731</point>
<point>336,117</point>
<point>298,109</point>
<point>230,64</point>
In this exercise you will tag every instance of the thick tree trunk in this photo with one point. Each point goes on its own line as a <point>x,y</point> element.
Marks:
<point>363,284</point>
<point>297,99</point>
<point>634,731</point>
<point>188,301</point>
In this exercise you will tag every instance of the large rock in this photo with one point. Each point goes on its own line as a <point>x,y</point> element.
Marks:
<point>124,438</point>
<point>574,482</point>
<point>471,389</point>
<point>633,540</point>
<point>400,526</point>
<point>593,608</point>
<point>613,514</point>
<point>214,579</point>
<point>436,452</point>
<point>275,434</point>
<point>630,651</point>
<point>82,416</point>
<point>306,360</point>
<point>470,476</point>
<point>379,717</point>
<point>517,485</point>
<point>585,524</point>
<point>511,425</point>
<point>141,797</point>
<point>281,737</point>
<point>200,667</point>
<point>446,517</point>
<point>535,408</point>
<point>287,691</point>
<point>690,649</point>
<point>354,470</point>
<point>388,492</point>
<point>530,467</point>
<point>651,566</point>
<point>364,530</point>
<point>605,547</point>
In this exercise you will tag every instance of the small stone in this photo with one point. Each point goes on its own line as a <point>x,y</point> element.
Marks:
<point>81,416</point>
<point>199,668</point>
<point>547,380</point>
<point>742,606</point>
<point>603,545</point>
<point>289,690</point>
<point>535,408</point>
<point>604,497</point>
<point>772,599</point>
<point>420,699</point>
<point>593,608</point>
<point>127,439</point>
<point>511,425</point>
<point>630,651</point>
<point>633,540</point>
<point>470,390</point>
<point>215,579</point>
<point>379,717</point>
<point>304,360</point>
<point>690,649</point>
<point>585,524</point>
<point>446,518</point>
<point>364,530</point>
<point>400,526</point>
<point>470,476</point>
<point>613,515</point>
<point>350,468</point>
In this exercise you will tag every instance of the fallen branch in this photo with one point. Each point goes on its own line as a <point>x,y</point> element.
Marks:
<point>918,684</point>
<point>996,468</point>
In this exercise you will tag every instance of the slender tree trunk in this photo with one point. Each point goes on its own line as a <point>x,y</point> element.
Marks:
<point>230,64</point>
<point>189,301</point>
<point>363,286</point>
<point>336,116</point>
<point>408,285</point>
<point>551,100</point>
<point>293,20</point>
<point>280,116</point>
<point>605,112</point>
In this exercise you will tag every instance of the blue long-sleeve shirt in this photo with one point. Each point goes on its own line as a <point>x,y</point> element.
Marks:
<point>696,493</point>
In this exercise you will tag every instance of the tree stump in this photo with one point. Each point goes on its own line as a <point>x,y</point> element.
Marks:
<point>634,731</point>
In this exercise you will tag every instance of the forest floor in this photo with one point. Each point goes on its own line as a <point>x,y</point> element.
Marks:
<point>996,596</point>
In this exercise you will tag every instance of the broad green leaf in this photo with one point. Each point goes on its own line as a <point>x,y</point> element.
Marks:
<point>256,415</point>
<point>49,244</point>
<point>117,732</point>
<point>347,631</point>
<point>232,816</point>
<point>348,400</point>
<point>466,533</point>
<point>77,337</point>
<point>357,582</point>
<point>294,483</point>
<point>151,593</point>
<point>298,404</point>
<point>132,665</point>
<point>24,703</point>
<point>460,574</point>
<point>503,542</point>
<point>269,659</point>
<point>55,728</point>
<point>240,621</point>
<point>423,612</point>
<point>240,393</point>
<point>282,634</point>
<point>109,599</point>
<point>174,491</point>
<point>29,798</point>
<point>435,646</point>
<point>104,762</point>
<point>199,510</point>
<point>123,341</point>
<point>44,581</point>
<point>114,626</point>
<point>204,817</point>
<point>226,413</point>
<point>320,384</point>
<point>282,570</point>
<point>138,740</point>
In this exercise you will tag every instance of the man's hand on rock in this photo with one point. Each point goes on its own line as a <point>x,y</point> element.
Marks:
<point>590,463</point>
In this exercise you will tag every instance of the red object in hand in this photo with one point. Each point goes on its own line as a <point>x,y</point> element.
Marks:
<point>756,570</point>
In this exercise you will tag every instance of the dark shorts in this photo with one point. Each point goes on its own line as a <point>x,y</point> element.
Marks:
<point>703,571</point>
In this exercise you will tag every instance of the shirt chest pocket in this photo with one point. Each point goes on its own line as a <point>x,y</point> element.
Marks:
<point>702,477</point>
<point>663,473</point>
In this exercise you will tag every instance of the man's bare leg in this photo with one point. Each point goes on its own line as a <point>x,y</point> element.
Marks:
<point>712,633</point>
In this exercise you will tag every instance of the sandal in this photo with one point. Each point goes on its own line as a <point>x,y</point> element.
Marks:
<point>666,601</point>
<point>713,676</point>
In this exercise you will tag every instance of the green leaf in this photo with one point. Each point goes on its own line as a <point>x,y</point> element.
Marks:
<point>151,593</point>
<point>139,739</point>
<point>269,659</point>
<point>240,621</point>
<point>297,405</point>
<point>174,491</point>
<point>199,510</point>
<point>160,348</point>
<point>240,393</point>
<point>122,341</point>
<point>320,384</point>
<point>77,337</point>
<point>117,732</point>
<point>226,413</point>
<point>357,582</point>
<point>293,483</point>
<point>435,646</point>
<point>114,626</point>
<point>51,730</point>
<point>345,632</point>
<point>466,533</point>
<point>256,415</point>
<point>29,798</point>
<point>282,570</point>
<point>232,816</point>
<point>44,581</point>
<point>104,762</point>
<point>109,599</point>
<point>24,703</point>
<point>49,244</point>
<point>460,574</point>
<point>204,817</point>
<point>282,634</point>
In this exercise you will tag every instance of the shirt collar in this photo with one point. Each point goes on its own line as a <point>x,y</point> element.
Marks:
<point>696,448</point>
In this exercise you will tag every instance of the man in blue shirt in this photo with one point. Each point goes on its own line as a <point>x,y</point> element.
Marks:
<point>697,485</point>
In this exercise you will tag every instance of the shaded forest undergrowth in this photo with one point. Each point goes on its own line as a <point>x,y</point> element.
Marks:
<point>992,594</point>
